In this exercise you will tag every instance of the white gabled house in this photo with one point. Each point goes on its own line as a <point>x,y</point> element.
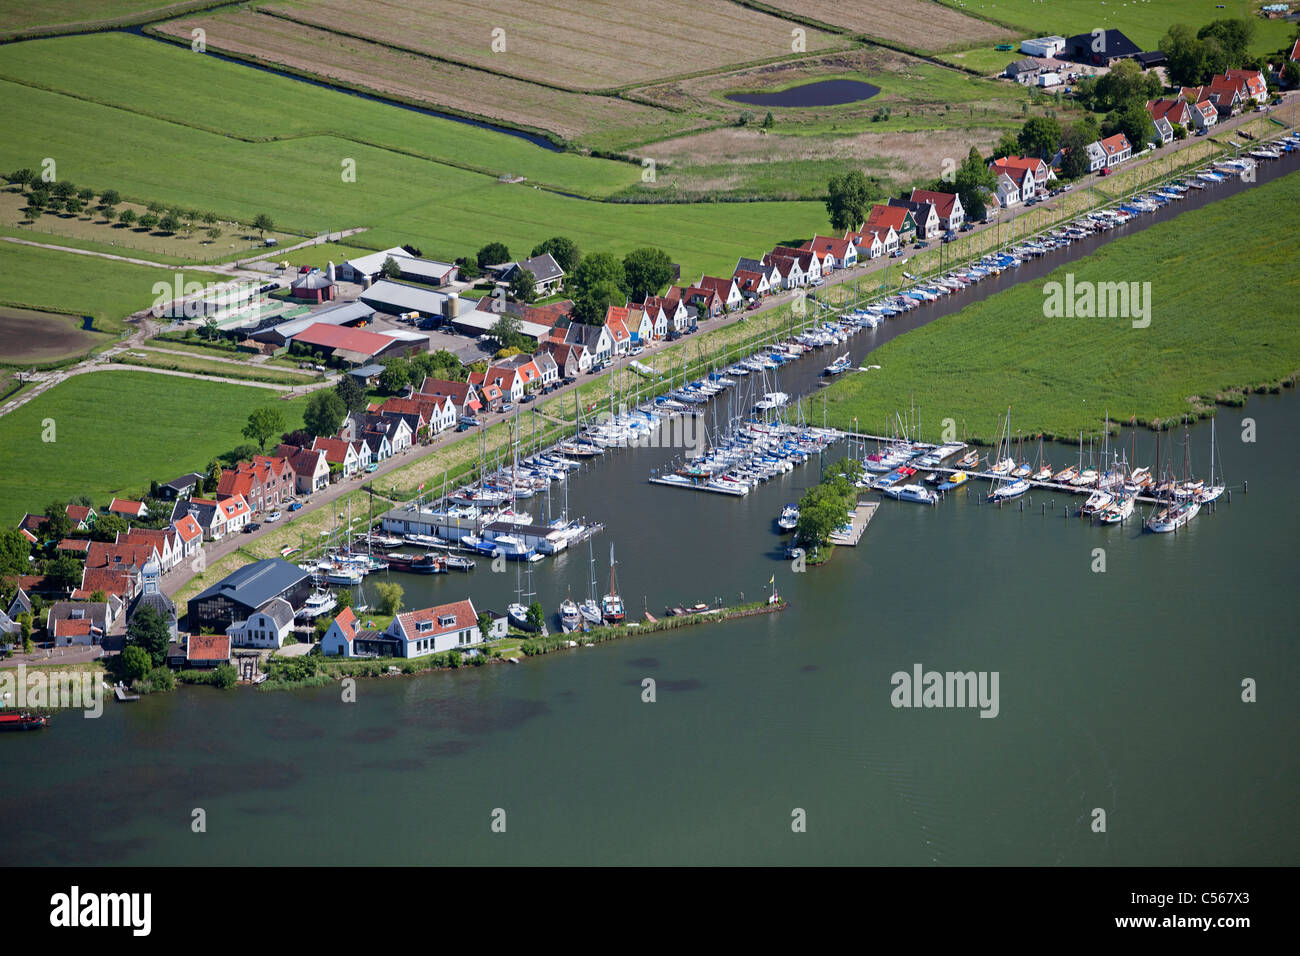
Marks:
<point>434,630</point>
<point>269,627</point>
<point>1096,157</point>
<point>1008,191</point>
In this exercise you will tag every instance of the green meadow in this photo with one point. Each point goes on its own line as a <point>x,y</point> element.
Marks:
<point>1142,21</point>
<point>1222,319</point>
<point>445,210</point>
<point>105,289</point>
<point>115,431</point>
<point>156,79</point>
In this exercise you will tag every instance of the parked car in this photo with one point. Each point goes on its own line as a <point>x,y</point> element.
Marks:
<point>507,406</point>
<point>373,466</point>
<point>251,527</point>
<point>273,516</point>
<point>922,244</point>
<point>296,506</point>
<point>637,351</point>
<point>753,304</point>
<point>816,282</point>
<point>965,227</point>
<point>528,397</point>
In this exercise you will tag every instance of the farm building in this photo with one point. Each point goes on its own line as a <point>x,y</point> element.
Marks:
<point>1100,49</point>
<point>1043,46</point>
<point>279,333</point>
<point>357,346</point>
<point>480,322</point>
<point>312,287</point>
<point>547,273</point>
<point>395,298</point>
<point>412,268</point>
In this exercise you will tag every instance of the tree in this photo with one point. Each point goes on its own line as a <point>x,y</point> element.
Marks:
<point>343,599</point>
<point>523,286</point>
<point>646,271</point>
<point>213,479</point>
<point>395,376</point>
<point>63,572</point>
<point>535,616</point>
<point>135,663</point>
<point>494,253</point>
<point>469,269</point>
<point>506,330</point>
<point>1291,73</point>
<point>156,208</point>
<point>126,217</point>
<point>1134,122</point>
<point>562,249</point>
<point>107,526</point>
<point>169,224</point>
<point>353,395</point>
<point>1233,37</point>
<point>848,200</point>
<point>224,676</point>
<point>149,632</point>
<point>23,177</point>
<point>592,305</point>
<point>148,221</point>
<point>1039,137</point>
<point>1124,85</point>
<point>263,224</point>
<point>209,218</point>
<point>597,268</point>
<point>214,233</point>
<point>14,552</point>
<point>769,120</point>
<point>63,189</point>
<point>1006,145</point>
<point>263,425</point>
<point>389,596</point>
<point>390,269</point>
<point>57,523</point>
<point>973,178</point>
<point>324,412</point>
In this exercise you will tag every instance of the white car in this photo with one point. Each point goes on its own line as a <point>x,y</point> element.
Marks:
<point>273,516</point>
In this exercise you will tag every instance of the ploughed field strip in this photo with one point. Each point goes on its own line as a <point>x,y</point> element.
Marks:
<point>919,24</point>
<point>590,46</point>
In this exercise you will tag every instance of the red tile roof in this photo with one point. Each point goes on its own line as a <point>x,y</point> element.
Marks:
<point>208,647</point>
<point>80,545</point>
<point>749,281</point>
<point>73,627</point>
<point>942,202</point>
<point>463,611</point>
<point>1295,52</point>
<point>1115,144</point>
<point>887,217</point>
<point>188,529</point>
<point>236,483</point>
<point>347,622</point>
<point>116,580</point>
<point>32,522</point>
<point>828,245</point>
<point>720,286</point>
<point>78,513</point>
<point>123,506</point>
<point>336,449</point>
<point>341,337</point>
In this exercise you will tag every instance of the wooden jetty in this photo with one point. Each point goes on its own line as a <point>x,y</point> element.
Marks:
<point>862,515</point>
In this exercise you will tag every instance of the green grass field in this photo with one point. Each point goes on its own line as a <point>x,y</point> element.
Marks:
<point>445,210</point>
<point>117,430</point>
<point>17,16</point>
<point>70,282</point>
<point>152,78</point>
<point>1213,329</point>
<point>1144,22</point>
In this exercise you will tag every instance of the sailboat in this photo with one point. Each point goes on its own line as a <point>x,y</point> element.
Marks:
<point>1210,491</point>
<point>1005,488</point>
<point>589,609</point>
<point>612,603</point>
<point>1175,513</point>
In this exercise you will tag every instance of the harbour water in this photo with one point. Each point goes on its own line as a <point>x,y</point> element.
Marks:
<point>1118,690</point>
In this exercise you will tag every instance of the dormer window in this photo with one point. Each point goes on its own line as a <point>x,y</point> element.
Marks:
<point>446,620</point>
<point>422,626</point>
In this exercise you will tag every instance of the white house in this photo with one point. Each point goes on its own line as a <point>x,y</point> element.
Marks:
<point>1164,130</point>
<point>1117,149</point>
<point>267,628</point>
<point>1008,191</point>
<point>340,639</point>
<point>434,630</point>
<point>1097,157</point>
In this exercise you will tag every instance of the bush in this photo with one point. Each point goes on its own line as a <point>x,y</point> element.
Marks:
<point>225,676</point>
<point>134,663</point>
<point>162,679</point>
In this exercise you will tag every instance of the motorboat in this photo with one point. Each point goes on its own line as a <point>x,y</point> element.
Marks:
<point>916,493</point>
<point>789,519</point>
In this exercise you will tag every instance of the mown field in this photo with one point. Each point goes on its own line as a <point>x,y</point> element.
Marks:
<point>1212,331</point>
<point>117,430</point>
<point>591,46</point>
<point>912,23</point>
<point>21,16</point>
<point>447,211</point>
<point>154,79</point>
<point>586,119</point>
<point>104,289</point>
<point>1144,22</point>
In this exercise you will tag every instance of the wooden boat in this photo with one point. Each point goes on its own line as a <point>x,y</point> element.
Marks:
<point>1066,475</point>
<point>611,605</point>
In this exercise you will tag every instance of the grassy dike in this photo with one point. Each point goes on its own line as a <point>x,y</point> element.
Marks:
<point>1062,375</point>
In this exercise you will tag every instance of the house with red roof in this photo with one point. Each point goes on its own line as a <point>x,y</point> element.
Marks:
<point>78,622</point>
<point>1117,149</point>
<point>725,289</point>
<point>792,273</point>
<point>83,517</point>
<point>676,318</point>
<point>340,455</point>
<point>571,360</point>
<point>616,323</point>
<point>1253,85</point>
<point>73,546</point>
<point>120,580</point>
<point>1020,178</point>
<point>165,542</point>
<point>924,215</point>
<point>1205,115</point>
<point>1225,93</point>
<point>128,509</point>
<point>311,470</point>
<point>1176,111</point>
<point>463,394</point>
<point>204,651</point>
<point>1294,55</point>
<point>947,205</point>
<point>511,378</point>
<point>841,253</point>
<point>435,630</point>
<point>340,639</point>
<point>654,314</point>
<point>752,285</point>
<point>706,302</point>
<point>190,535</point>
<point>898,218</point>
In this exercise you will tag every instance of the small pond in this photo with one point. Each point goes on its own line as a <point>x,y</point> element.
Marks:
<point>820,93</point>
